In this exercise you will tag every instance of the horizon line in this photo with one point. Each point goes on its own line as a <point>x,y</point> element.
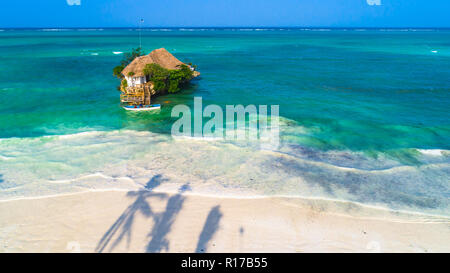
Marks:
<point>230,27</point>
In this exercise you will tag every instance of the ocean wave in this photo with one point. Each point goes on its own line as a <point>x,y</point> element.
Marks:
<point>89,29</point>
<point>129,160</point>
<point>389,169</point>
<point>54,29</point>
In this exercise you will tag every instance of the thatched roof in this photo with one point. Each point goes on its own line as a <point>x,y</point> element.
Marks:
<point>159,56</point>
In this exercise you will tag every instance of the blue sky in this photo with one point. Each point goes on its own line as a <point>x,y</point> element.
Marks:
<point>201,13</point>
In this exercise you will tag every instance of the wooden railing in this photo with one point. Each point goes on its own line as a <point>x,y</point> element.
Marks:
<point>132,99</point>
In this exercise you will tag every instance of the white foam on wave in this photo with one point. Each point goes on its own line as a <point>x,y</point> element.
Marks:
<point>117,52</point>
<point>89,29</point>
<point>90,176</point>
<point>5,157</point>
<point>433,152</point>
<point>78,135</point>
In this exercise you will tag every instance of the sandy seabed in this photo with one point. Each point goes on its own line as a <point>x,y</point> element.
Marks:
<point>146,221</point>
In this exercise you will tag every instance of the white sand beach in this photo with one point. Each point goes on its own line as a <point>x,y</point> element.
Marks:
<point>144,221</point>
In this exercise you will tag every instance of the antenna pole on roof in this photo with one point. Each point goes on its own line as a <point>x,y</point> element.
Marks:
<point>140,39</point>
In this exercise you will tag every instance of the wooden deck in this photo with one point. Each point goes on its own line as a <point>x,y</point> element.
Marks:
<point>139,94</point>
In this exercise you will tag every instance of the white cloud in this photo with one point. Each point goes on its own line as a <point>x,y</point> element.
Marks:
<point>74,2</point>
<point>374,2</point>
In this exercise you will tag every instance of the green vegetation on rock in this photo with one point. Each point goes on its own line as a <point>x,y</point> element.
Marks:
<point>117,71</point>
<point>167,80</point>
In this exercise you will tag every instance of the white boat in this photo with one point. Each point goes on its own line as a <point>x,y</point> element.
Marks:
<point>142,107</point>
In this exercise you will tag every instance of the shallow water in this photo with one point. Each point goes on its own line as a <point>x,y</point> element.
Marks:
<point>364,114</point>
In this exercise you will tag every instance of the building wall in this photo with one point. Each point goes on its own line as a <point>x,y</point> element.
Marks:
<point>133,81</point>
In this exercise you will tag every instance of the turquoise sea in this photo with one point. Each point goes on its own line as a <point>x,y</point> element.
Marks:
<point>365,114</point>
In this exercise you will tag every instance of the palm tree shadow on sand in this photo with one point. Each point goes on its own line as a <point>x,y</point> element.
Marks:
<point>163,221</point>
<point>163,224</point>
<point>122,227</point>
<point>209,229</point>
